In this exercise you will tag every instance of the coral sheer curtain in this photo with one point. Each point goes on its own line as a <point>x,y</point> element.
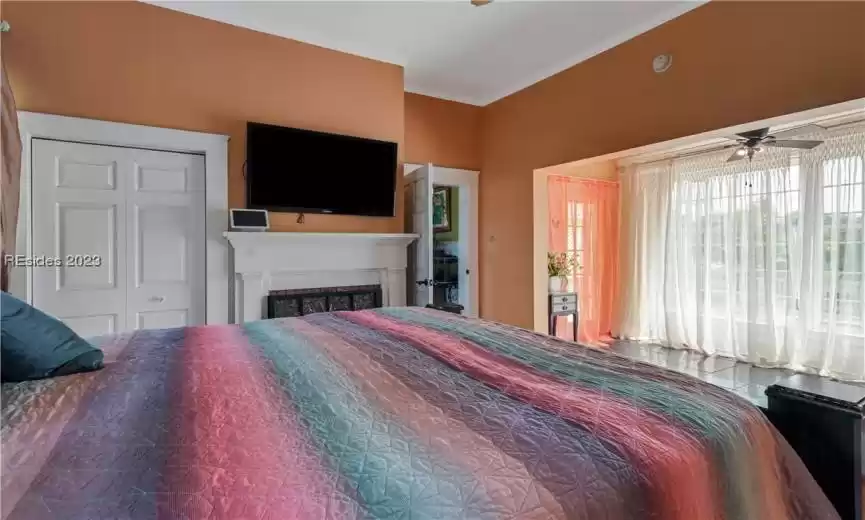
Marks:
<point>10,173</point>
<point>584,221</point>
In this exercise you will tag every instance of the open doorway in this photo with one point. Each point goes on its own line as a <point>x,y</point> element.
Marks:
<point>446,248</point>
<point>441,207</point>
<point>580,219</point>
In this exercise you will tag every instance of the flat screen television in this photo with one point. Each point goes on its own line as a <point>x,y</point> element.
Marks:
<point>302,171</point>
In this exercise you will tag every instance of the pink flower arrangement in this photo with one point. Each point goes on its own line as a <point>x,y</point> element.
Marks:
<point>559,264</point>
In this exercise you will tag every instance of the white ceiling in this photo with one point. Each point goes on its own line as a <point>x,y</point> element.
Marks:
<point>451,49</point>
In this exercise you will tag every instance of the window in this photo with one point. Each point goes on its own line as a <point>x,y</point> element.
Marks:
<point>843,244</point>
<point>753,221</point>
<point>576,240</point>
<point>747,227</point>
<point>743,227</point>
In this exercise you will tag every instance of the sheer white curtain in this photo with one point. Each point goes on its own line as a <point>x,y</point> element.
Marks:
<point>761,261</point>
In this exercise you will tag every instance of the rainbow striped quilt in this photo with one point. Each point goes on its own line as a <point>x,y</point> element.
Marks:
<point>396,413</point>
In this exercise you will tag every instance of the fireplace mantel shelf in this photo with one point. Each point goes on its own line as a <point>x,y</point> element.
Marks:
<point>243,238</point>
<point>266,261</point>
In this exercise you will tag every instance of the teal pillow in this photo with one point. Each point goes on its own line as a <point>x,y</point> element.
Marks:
<point>35,345</point>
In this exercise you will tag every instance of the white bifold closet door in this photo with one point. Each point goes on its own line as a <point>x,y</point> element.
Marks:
<point>127,226</point>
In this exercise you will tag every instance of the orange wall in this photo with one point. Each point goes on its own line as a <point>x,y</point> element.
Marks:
<point>734,62</point>
<point>136,63</point>
<point>442,132</point>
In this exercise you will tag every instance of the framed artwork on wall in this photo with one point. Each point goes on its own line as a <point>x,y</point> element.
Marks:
<point>441,208</point>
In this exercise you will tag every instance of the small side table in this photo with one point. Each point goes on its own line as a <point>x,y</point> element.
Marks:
<point>563,304</point>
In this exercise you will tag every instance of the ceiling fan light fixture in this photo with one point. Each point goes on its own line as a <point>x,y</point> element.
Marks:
<point>758,140</point>
<point>480,3</point>
<point>741,151</point>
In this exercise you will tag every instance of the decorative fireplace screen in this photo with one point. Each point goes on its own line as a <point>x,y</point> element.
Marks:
<point>299,302</point>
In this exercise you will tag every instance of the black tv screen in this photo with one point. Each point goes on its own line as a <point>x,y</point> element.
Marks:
<point>302,171</point>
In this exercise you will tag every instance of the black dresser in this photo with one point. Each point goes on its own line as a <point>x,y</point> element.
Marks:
<point>822,421</point>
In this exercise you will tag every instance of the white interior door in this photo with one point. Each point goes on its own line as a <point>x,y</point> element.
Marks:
<point>78,196</point>
<point>418,215</point>
<point>127,227</point>
<point>166,247</point>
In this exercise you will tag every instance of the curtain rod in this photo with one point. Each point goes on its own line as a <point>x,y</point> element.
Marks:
<point>583,179</point>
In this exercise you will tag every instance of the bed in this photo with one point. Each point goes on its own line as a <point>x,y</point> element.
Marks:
<point>395,413</point>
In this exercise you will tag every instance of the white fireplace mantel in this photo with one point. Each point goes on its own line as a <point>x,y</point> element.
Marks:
<point>267,261</point>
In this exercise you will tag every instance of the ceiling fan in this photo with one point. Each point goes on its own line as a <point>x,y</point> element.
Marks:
<point>480,3</point>
<point>754,141</point>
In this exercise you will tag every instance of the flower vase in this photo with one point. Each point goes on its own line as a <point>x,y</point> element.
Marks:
<point>558,284</point>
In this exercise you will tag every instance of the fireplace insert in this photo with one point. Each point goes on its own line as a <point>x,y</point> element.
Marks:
<point>300,302</point>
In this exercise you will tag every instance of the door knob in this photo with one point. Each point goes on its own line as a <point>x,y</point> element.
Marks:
<point>424,282</point>
<point>157,299</point>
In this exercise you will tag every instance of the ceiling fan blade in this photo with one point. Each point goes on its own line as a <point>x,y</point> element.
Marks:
<point>754,134</point>
<point>800,130</point>
<point>738,155</point>
<point>793,143</point>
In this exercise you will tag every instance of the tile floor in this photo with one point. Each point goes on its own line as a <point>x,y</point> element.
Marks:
<point>741,378</point>
<point>744,379</point>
